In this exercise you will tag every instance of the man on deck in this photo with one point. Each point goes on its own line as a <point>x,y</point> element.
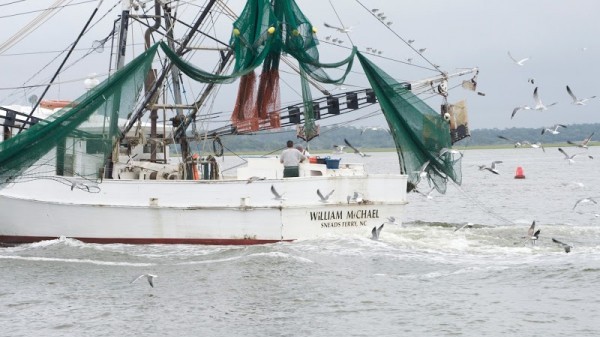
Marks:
<point>291,158</point>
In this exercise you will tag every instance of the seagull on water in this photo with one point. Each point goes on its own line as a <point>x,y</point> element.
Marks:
<point>554,129</point>
<point>357,151</point>
<point>518,62</point>
<point>585,200</point>
<point>577,101</point>
<point>276,194</point>
<point>392,220</point>
<point>422,50</point>
<point>324,198</point>
<point>467,225</point>
<point>411,41</point>
<point>565,246</point>
<point>584,143</point>
<point>150,278</point>
<point>376,231</point>
<point>491,168</point>
<point>339,29</point>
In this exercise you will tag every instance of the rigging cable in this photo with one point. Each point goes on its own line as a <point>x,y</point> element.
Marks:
<point>398,36</point>
<point>30,27</point>
<point>61,65</point>
<point>341,23</point>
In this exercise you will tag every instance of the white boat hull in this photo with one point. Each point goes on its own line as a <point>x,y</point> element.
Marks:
<point>199,212</point>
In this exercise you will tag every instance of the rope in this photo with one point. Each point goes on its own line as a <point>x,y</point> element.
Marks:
<point>481,205</point>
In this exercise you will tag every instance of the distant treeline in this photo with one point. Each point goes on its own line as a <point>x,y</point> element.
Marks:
<point>370,138</point>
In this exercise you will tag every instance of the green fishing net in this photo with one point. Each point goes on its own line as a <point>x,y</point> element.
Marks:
<point>419,132</point>
<point>78,139</point>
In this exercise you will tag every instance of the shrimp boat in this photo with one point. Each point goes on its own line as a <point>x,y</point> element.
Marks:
<point>100,171</point>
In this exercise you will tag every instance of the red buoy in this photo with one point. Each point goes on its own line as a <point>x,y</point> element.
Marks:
<point>519,174</point>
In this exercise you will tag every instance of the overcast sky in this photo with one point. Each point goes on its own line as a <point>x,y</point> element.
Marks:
<point>560,37</point>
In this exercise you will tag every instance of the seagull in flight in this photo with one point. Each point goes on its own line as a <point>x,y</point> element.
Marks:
<point>538,101</point>
<point>491,168</point>
<point>392,220</point>
<point>565,246</point>
<point>422,173</point>
<point>339,29</point>
<point>518,62</point>
<point>522,107</point>
<point>376,231</point>
<point>536,145</point>
<point>150,278</point>
<point>445,150</point>
<point>254,178</point>
<point>426,195</point>
<point>516,143</point>
<point>276,194</point>
<point>356,197</point>
<point>324,198</point>
<point>532,234</point>
<point>584,143</point>
<point>577,101</point>
<point>567,157</point>
<point>554,129</point>
<point>585,200</point>
<point>339,149</point>
<point>355,149</point>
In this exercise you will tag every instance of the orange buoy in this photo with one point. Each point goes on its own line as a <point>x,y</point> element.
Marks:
<point>519,174</point>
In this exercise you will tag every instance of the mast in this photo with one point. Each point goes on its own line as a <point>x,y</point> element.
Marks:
<point>119,63</point>
<point>161,78</point>
<point>124,26</point>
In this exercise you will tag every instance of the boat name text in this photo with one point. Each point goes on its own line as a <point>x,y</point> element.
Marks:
<point>355,218</point>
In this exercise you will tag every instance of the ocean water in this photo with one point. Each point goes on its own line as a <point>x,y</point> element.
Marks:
<point>420,279</point>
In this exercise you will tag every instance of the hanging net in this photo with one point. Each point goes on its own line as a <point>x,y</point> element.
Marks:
<point>419,132</point>
<point>263,32</point>
<point>78,139</point>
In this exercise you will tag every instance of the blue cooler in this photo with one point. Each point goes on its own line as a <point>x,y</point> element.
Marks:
<point>333,164</point>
